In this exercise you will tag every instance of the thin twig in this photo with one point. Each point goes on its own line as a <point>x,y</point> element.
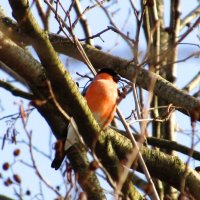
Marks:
<point>16,91</point>
<point>108,177</point>
<point>196,54</point>
<point>65,115</point>
<point>41,12</point>
<point>195,82</point>
<point>18,114</point>
<point>29,135</point>
<point>76,41</point>
<point>26,143</point>
<point>166,52</point>
<point>113,23</point>
<point>59,19</point>
<point>96,35</point>
<point>196,23</point>
<point>136,152</point>
<point>189,17</point>
<point>53,98</point>
<point>83,22</point>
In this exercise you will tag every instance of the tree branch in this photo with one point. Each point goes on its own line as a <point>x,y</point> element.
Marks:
<point>167,144</point>
<point>99,59</point>
<point>2,197</point>
<point>83,21</point>
<point>16,91</point>
<point>193,83</point>
<point>192,15</point>
<point>58,77</point>
<point>172,145</point>
<point>32,72</point>
<point>159,164</point>
<point>121,145</point>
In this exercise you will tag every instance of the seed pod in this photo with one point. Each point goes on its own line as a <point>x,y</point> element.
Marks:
<point>8,182</point>
<point>6,166</point>
<point>17,178</point>
<point>58,187</point>
<point>28,192</point>
<point>16,152</point>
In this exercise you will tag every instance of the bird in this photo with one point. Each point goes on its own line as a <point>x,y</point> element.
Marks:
<point>102,97</point>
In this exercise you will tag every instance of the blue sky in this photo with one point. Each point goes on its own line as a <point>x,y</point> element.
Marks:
<point>40,129</point>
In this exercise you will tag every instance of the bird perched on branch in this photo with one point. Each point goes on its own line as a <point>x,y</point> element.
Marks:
<point>102,97</point>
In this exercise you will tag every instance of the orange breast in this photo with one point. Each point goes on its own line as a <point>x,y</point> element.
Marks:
<point>101,97</point>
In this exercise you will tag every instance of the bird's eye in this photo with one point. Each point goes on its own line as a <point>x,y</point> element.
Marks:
<point>116,78</point>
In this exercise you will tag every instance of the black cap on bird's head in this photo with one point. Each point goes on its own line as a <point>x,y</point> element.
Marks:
<point>114,74</point>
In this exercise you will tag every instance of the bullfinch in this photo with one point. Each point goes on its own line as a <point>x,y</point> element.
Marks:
<point>102,97</point>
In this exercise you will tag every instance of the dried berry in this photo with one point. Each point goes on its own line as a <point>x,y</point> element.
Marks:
<point>94,165</point>
<point>16,152</point>
<point>6,166</point>
<point>58,187</point>
<point>17,178</point>
<point>8,182</point>
<point>28,192</point>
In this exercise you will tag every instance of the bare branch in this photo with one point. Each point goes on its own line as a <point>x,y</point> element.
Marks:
<point>100,59</point>
<point>29,135</point>
<point>12,73</point>
<point>83,21</point>
<point>136,152</point>
<point>60,77</point>
<point>15,91</point>
<point>193,83</point>
<point>196,23</point>
<point>192,15</point>
<point>153,160</point>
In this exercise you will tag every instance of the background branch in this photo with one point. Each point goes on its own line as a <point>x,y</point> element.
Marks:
<point>100,59</point>
<point>15,91</point>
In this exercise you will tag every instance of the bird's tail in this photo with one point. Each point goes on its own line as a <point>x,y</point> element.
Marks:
<point>59,154</point>
<point>62,146</point>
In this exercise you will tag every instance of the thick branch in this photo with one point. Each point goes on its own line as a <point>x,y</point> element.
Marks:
<point>172,145</point>
<point>159,164</point>
<point>99,59</point>
<point>32,72</point>
<point>168,145</point>
<point>83,21</point>
<point>55,70</point>
<point>57,75</point>
<point>2,197</point>
<point>121,145</point>
<point>86,177</point>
